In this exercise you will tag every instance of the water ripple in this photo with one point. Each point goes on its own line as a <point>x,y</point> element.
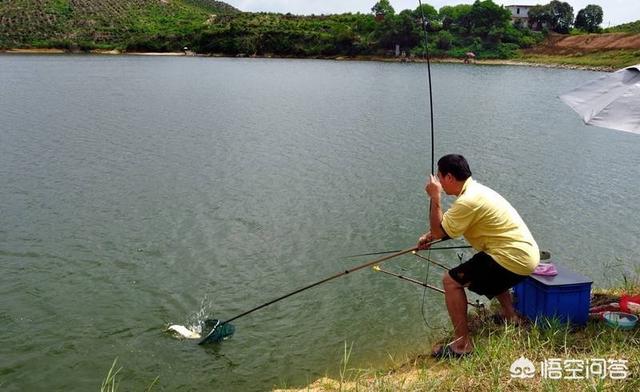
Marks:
<point>161,190</point>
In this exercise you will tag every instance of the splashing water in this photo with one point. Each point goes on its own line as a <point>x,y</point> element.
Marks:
<point>193,327</point>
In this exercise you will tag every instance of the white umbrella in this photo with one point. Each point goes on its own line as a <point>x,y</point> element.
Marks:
<point>612,101</point>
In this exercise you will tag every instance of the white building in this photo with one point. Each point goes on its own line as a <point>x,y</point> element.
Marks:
<point>519,13</point>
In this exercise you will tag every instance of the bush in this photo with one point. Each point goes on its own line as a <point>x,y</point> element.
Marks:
<point>443,40</point>
<point>460,52</point>
<point>528,41</point>
<point>501,51</point>
<point>246,44</point>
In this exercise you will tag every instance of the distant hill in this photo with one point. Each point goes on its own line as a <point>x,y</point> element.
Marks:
<point>213,6</point>
<point>108,23</point>
<point>633,27</point>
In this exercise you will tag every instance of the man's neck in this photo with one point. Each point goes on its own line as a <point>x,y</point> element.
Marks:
<point>458,187</point>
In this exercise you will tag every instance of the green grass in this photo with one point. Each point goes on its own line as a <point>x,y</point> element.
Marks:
<point>633,27</point>
<point>110,382</point>
<point>612,59</point>
<point>496,348</point>
<point>61,7</point>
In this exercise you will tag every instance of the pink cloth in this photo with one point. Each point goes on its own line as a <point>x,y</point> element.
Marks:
<point>546,269</point>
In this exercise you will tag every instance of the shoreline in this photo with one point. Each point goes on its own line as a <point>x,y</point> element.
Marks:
<point>445,60</point>
<point>497,347</point>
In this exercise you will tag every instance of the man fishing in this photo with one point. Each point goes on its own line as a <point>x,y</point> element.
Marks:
<point>507,252</point>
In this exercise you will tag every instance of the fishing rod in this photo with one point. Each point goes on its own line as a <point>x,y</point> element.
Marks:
<point>223,329</point>
<point>398,250</point>
<point>423,284</point>
<point>433,143</point>
<point>426,50</point>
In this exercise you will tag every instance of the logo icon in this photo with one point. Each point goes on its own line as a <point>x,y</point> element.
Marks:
<point>522,368</point>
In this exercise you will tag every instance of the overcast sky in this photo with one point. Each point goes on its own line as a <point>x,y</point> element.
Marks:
<point>615,11</point>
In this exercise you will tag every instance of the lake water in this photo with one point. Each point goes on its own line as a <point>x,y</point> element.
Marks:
<point>139,192</point>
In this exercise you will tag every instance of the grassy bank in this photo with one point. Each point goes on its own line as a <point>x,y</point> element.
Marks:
<point>496,348</point>
<point>602,60</point>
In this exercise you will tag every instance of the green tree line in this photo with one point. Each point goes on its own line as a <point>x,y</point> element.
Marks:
<point>208,26</point>
<point>483,27</point>
<point>557,16</point>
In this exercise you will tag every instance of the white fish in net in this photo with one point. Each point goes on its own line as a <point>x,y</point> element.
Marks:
<point>184,331</point>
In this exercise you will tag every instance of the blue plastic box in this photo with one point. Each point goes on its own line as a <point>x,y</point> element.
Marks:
<point>565,296</point>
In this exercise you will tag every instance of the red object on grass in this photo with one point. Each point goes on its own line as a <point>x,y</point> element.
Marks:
<point>630,303</point>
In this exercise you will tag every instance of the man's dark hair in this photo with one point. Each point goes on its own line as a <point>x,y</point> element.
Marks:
<point>455,165</point>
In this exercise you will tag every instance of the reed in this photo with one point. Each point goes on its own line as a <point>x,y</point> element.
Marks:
<point>110,382</point>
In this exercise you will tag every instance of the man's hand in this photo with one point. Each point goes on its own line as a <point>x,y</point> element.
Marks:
<point>424,242</point>
<point>433,187</point>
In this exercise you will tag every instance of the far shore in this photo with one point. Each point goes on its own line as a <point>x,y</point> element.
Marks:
<point>337,58</point>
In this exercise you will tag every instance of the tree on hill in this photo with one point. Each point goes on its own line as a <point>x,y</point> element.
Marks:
<point>455,17</point>
<point>383,8</point>
<point>402,29</point>
<point>589,18</point>
<point>562,16</point>
<point>430,13</point>
<point>556,16</point>
<point>488,19</point>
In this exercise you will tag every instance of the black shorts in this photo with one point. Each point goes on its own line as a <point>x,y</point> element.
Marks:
<point>484,276</point>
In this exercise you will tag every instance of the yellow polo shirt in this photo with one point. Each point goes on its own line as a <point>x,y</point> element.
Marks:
<point>491,225</point>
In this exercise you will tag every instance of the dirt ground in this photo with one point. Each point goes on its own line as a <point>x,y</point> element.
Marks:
<point>574,44</point>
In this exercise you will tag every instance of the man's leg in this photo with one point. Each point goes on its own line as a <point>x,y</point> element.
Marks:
<point>508,312</point>
<point>456,300</point>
